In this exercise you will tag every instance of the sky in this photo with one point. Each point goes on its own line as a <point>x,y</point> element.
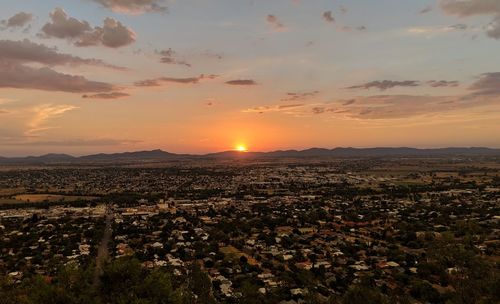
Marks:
<point>198,76</point>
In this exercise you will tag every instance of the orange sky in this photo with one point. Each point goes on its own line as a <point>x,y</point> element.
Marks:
<point>211,75</point>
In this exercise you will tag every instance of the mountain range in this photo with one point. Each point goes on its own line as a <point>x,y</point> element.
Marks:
<point>159,155</point>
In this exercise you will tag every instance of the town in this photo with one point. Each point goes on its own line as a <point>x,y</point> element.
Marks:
<point>417,230</point>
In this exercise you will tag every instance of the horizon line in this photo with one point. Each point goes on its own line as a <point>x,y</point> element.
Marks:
<point>251,151</point>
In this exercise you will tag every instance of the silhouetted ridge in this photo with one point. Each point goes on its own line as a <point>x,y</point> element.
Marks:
<point>160,155</point>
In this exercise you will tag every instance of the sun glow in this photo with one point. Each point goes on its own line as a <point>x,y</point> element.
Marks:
<point>241,148</point>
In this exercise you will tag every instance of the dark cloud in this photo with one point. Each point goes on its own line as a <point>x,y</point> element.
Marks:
<point>169,56</point>
<point>13,75</point>
<point>386,84</point>
<point>488,84</point>
<point>164,80</point>
<point>112,95</point>
<point>299,96</point>
<point>443,83</point>
<point>242,82</point>
<point>274,22</point>
<point>328,17</point>
<point>133,6</point>
<point>26,51</point>
<point>20,19</point>
<point>112,34</point>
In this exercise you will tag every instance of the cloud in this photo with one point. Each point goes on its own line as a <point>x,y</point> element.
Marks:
<point>64,27</point>
<point>164,80</point>
<point>468,8</point>
<point>169,56</point>
<point>287,108</point>
<point>212,55</point>
<point>112,34</point>
<point>328,17</point>
<point>26,51</point>
<point>299,96</point>
<point>112,95</point>
<point>437,29</point>
<point>348,102</point>
<point>19,76</point>
<point>133,6</point>
<point>347,28</point>
<point>488,84</point>
<point>392,106</point>
<point>426,10</point>
<point>493,28</point>
<point>20,19</point>
<point>386,84</point>
<point>442,83</point>
<point>483,92</point>
<point>274,22</point>
<point>43,113</point>
<point>241,82</point>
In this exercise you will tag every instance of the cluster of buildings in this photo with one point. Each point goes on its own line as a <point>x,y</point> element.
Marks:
<point>284,229</point>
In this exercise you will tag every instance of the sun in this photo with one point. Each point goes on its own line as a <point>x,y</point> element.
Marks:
<point>241,148</point>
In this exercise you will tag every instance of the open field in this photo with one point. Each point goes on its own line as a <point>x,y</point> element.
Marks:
<point>232,252</point>
<point>38,198</point>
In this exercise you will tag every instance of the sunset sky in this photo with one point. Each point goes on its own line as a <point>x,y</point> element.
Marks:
<point>197,76</point>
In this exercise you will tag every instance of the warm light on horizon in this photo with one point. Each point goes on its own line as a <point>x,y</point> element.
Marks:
<point>241,148</point>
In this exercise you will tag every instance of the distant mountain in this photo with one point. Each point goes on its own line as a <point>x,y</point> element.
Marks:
<point>159,155</point>
<point>42,159</point>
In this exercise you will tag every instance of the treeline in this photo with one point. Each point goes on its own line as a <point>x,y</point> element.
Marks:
<point>122,281</point>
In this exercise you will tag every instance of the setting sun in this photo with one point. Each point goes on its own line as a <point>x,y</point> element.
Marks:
<point>241,148</point>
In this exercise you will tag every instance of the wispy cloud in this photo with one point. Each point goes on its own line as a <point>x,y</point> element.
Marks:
<point>469,8</point>
<point>275,23</point>
<point>112,95</point>
<point>134,6</point>
<point>428,30</point>
<point>328,17</point>
<point>169,56</point>
<point>426,10</point>
<point>386,84</point>
<point>242,82</point>
<point>165,80</point>
<point>443,83</point>
<point>276,108</point>
<point>44,113</point>
<point>293,96</point>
